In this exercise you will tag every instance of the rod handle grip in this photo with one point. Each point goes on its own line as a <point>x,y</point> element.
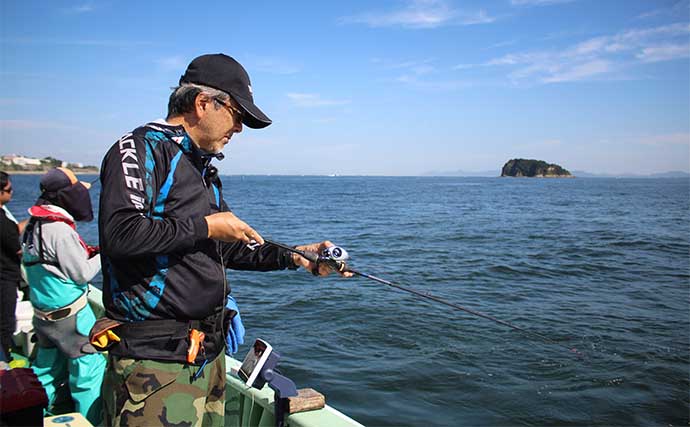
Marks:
<point>310,256</point>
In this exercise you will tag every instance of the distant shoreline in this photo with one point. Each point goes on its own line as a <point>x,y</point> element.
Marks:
<point>41,172</point>
<point>587,176</point>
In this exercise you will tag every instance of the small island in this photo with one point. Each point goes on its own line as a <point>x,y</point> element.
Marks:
<point>533,169</point>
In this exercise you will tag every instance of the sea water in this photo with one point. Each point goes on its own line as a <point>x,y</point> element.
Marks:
<point>601,265</point>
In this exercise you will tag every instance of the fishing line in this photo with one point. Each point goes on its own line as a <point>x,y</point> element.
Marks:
<point>459,307</point>
<point>335,258</point>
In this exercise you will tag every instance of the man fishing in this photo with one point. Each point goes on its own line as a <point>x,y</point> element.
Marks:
<point>167,237</point>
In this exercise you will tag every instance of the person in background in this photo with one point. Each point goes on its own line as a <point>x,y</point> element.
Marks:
<point>10,276</point>
<point>167,238</point>
<point>20,224</point>
<point>58,267</point>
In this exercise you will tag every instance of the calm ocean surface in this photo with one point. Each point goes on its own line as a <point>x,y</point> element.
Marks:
<point>602,265</point>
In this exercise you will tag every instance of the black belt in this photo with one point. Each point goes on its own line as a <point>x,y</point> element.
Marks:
<point>168,339</point>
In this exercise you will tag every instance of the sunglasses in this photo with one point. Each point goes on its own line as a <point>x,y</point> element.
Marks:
<point>234,112</point>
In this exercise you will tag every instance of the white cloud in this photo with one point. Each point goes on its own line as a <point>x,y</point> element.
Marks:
<point>597,56</point>
<point>503,44</point>
<point>82,8</point>
<point>311,100</point>
<point>580,72</point>
<point>646,34</point>
<point>475,18</point>
<point>418,14</point>
<point>664,53</point>
<point>467,66</point>
<point>679,10</point>
<point>409,65</point>
<point>419,74</point>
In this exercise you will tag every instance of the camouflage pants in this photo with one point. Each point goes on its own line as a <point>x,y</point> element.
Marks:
<point>150,393</point>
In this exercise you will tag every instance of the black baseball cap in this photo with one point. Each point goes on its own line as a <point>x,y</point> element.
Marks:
<point>222,72</point>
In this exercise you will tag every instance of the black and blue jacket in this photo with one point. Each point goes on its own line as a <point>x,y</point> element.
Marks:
<point>158,262</point>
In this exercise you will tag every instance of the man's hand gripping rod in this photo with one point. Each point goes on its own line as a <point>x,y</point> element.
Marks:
<point>335,257</point>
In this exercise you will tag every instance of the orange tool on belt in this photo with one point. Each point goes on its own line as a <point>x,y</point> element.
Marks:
<point>102,335</point>
<point>196,342</point>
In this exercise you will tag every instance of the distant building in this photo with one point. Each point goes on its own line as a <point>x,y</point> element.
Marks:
<point>20,160</point>
<point>13,162</point>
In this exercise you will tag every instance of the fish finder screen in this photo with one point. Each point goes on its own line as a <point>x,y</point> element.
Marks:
<point>252,360</point>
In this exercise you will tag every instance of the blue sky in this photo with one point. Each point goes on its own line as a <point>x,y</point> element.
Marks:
<point>399,87</point>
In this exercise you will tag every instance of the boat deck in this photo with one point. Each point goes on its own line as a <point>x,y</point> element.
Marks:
<point>244,406</point>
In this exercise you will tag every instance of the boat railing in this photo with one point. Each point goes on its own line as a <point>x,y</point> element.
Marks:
<point>247,406</point>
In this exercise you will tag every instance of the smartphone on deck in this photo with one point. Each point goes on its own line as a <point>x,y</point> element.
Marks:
<point>254,361</point>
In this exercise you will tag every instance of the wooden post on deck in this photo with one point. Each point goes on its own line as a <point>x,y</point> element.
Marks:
<point>307,399</point>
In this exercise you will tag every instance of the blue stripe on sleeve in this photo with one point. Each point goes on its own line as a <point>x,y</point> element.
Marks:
<point>217,194</point>
<point>167,185</point>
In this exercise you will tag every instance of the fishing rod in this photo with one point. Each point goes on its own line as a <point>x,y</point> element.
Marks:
<point>335,258</point>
